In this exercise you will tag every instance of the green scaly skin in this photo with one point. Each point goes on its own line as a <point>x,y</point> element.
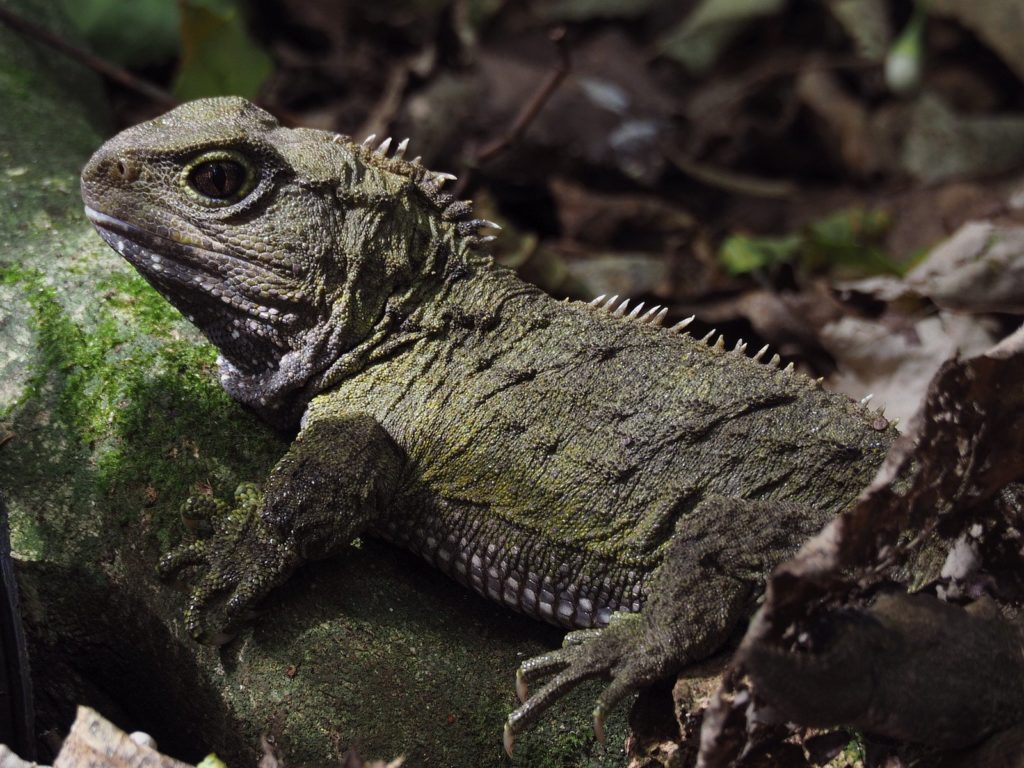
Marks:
<point>577,465</point>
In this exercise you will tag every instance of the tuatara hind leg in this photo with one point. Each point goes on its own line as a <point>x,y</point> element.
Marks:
<point>335,480</point>
<point>714,570</point>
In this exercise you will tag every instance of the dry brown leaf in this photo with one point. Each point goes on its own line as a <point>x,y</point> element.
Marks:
<point>824,651</point>
<point>979,269</point>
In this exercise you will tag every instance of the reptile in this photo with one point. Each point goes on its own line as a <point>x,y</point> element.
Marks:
<point>578,462</point>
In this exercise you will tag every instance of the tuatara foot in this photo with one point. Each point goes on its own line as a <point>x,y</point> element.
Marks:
<point>621,652</point>
<point>244,558</point>
<point>707,586</point>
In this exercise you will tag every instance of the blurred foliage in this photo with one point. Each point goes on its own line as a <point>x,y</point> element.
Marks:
<point>585,10</point>
<point>218,56</point>
<point>713,24</point>
<point>215,52</point>
<point>741,254</point>
<point>134,34</point>
<point>479,12</point>
<point>905,61</point>
<point>846,243</point>
<point>867,23</point>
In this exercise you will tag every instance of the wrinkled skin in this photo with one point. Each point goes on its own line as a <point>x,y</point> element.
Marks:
<point>588,469</point>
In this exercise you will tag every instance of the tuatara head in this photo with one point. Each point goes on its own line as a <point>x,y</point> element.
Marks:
<point>291,249</point>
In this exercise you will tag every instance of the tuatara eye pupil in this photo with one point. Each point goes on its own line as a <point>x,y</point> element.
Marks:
<point>217,179</point>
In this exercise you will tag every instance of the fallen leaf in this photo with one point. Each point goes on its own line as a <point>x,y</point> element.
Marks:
<point>894,361</point>
<point>1000,24</point>
<point>979,269</point>
<point>942,144</point>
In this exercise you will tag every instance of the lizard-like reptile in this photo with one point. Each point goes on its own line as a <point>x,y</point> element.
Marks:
<point>575,462</point>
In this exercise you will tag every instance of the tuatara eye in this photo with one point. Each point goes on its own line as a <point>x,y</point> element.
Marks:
<point>218,179</point>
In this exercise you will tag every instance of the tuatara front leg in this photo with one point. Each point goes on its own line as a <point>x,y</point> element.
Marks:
<point>714,570</point>
<point>337,478</point>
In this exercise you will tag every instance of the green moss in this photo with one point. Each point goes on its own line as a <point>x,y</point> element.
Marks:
<point>130,295</point>
<point>384,657</point>
<point>140,392</point>
<point>855,751</point>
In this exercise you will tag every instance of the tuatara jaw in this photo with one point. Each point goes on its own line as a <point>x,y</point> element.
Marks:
<point>201,283</point>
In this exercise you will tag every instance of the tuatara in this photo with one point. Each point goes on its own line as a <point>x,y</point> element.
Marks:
<point>576,462</point>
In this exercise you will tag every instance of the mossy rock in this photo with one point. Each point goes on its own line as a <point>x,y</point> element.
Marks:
<point>112,416</point>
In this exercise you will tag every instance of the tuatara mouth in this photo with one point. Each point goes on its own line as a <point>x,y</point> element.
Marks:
<point>172,266</point>
<point>205,287</point>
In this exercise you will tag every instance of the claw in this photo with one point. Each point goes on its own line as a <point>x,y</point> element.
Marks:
<point>243,560</point>
<point>508,739</point>
<point>522,687</point>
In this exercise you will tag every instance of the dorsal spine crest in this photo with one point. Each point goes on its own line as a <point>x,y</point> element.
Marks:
<point>429,184</point>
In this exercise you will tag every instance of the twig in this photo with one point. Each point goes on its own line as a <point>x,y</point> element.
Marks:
<point>731,181</point>
<point>747,84</point>
<point>530,110</point>
<point>104,68</point>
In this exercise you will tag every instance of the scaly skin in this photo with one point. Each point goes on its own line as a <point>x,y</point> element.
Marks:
<point>574,464</point>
